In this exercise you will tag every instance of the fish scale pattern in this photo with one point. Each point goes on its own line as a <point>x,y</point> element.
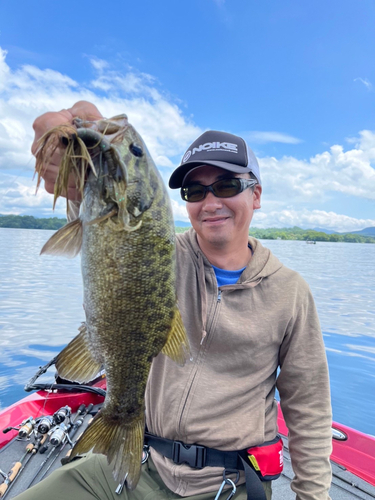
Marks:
<point>128,270</point>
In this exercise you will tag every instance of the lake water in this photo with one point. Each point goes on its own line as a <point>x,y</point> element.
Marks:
<point>41,309</point>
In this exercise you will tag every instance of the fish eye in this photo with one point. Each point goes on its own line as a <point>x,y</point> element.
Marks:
<point>136,150</point>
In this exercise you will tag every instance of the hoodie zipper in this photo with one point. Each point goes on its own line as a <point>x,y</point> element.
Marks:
<point>197,362</point>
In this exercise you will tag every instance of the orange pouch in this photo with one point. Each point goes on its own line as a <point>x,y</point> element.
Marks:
<point>267,459</point>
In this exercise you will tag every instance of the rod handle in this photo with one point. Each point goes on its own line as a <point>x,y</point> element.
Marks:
<point>81,409</point>
<point>89,408</point>
<point>14,471</point>
<point>12,474</point>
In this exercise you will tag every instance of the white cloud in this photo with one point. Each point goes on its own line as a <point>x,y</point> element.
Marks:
<point>260,137</point>
<point>29,91</point>
<point>365,82</point>
<point>289,183</point>
<point>17,196</point>
<point>179,211</point>
<point>349,172</point>
<point>310,219</point>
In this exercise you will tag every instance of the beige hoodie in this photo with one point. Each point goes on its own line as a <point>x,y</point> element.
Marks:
<point>224,397</point>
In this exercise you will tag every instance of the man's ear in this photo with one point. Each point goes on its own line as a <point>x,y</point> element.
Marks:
<point>256,196</point>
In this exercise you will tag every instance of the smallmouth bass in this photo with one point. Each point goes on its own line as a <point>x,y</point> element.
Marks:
<point>125,234</point>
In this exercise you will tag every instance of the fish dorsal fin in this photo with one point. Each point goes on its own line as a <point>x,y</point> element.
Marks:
<point>177,344</point>
<point>75,361</point>
<point>66,242</point>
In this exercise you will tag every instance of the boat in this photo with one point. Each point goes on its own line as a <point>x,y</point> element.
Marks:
<point>353,456</point>
<point>311,242</point>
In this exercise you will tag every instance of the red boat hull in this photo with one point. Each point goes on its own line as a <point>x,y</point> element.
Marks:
<point>356,453</point>
<point>43,403</point>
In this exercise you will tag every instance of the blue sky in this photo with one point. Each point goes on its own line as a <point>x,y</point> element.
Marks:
<point>295,79</point>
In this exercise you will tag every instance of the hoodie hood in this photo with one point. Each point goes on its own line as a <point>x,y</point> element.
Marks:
<point>261,265</point>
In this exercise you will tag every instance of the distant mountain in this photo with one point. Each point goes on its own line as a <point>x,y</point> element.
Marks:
<point>368,231</point>
<point>322,230</point>
<point>181,223</point>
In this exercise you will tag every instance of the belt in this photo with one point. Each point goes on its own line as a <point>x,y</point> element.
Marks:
<point>199,457</point>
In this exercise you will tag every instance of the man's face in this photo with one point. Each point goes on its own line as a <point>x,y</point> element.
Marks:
<point>219,221</point>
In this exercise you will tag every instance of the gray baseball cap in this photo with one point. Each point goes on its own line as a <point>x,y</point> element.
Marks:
<point>219,149</point>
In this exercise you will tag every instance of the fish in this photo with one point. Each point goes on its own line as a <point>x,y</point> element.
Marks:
<point>125,234</point>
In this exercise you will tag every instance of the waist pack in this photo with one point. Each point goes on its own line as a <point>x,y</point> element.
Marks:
<point>267,459</point>
<point>260,463</point>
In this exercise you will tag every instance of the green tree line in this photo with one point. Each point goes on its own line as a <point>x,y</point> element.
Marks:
<point>296,233</point>
<point>30,222</point>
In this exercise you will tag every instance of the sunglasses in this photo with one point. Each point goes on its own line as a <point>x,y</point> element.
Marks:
<point>221,189</point>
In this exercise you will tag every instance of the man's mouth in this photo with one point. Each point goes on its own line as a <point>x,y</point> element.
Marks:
<point>215,220</point>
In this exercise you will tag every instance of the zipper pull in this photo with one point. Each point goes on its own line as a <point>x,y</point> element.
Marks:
<point>219,296</point>
<point>204,335</point>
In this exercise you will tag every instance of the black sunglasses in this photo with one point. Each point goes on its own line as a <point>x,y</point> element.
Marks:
<point>225,188</point>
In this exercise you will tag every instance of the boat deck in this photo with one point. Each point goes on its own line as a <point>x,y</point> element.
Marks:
<point>351,448</point>
<point>345,485</point>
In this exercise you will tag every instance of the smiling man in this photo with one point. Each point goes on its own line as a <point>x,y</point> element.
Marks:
<point>221,196</point>
<point>252,327</point>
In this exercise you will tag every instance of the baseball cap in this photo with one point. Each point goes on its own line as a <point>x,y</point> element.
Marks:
<point>219,149</point>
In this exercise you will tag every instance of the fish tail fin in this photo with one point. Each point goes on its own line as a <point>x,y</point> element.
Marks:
<point>75,362</point>
<point>67,241</point>
<point>122,444</point>
<point>177,344</point>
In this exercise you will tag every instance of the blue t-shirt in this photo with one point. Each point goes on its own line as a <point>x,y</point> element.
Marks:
<point>225,277</point>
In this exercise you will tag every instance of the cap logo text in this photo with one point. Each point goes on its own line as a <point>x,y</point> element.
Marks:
<point>186,156</point>
<point>216,146</point>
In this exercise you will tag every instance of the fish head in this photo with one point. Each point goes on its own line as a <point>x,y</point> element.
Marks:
<point>123,180</point>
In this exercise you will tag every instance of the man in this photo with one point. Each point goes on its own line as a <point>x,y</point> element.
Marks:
<point>247,316</point>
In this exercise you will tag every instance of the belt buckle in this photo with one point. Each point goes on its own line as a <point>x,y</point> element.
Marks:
<point>193,455</point>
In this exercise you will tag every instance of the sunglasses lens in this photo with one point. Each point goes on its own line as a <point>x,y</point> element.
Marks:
<point>194,192</point>
<point>222,189</point>
<point>227,188</point>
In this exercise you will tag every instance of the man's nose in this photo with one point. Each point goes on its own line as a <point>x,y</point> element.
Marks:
<point>211,202</point>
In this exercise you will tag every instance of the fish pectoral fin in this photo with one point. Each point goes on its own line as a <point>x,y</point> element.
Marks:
<point>66,242</point>
<point>121,443</point>
<point>177,344</point>
<point>75,362</point>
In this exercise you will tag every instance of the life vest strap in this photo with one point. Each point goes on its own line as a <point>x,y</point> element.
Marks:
<point>198,457</point>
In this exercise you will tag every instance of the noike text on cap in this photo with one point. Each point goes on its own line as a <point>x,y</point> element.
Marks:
<point>211,146</point>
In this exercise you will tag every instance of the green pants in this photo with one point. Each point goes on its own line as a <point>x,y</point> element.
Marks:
<point>90,478</point>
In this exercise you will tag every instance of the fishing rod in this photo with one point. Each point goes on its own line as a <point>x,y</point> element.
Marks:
<point>31,450</point>
<point>78,421</point>
<point>55,440</point>
<point>12,474</point>
<point>33,386</point>
<point>58,435</point>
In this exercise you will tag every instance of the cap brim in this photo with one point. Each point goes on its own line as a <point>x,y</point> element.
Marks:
<point>179,174</point>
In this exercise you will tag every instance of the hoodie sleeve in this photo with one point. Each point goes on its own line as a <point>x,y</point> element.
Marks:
<point>303,384</point>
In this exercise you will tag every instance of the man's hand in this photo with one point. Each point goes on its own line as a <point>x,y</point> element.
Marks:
<point>82,109</point>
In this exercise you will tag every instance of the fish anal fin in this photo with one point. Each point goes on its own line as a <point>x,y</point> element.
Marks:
<point>121,443</point>
<point>66,242</point>
<point>75,362</point>
<point>177,344</point>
